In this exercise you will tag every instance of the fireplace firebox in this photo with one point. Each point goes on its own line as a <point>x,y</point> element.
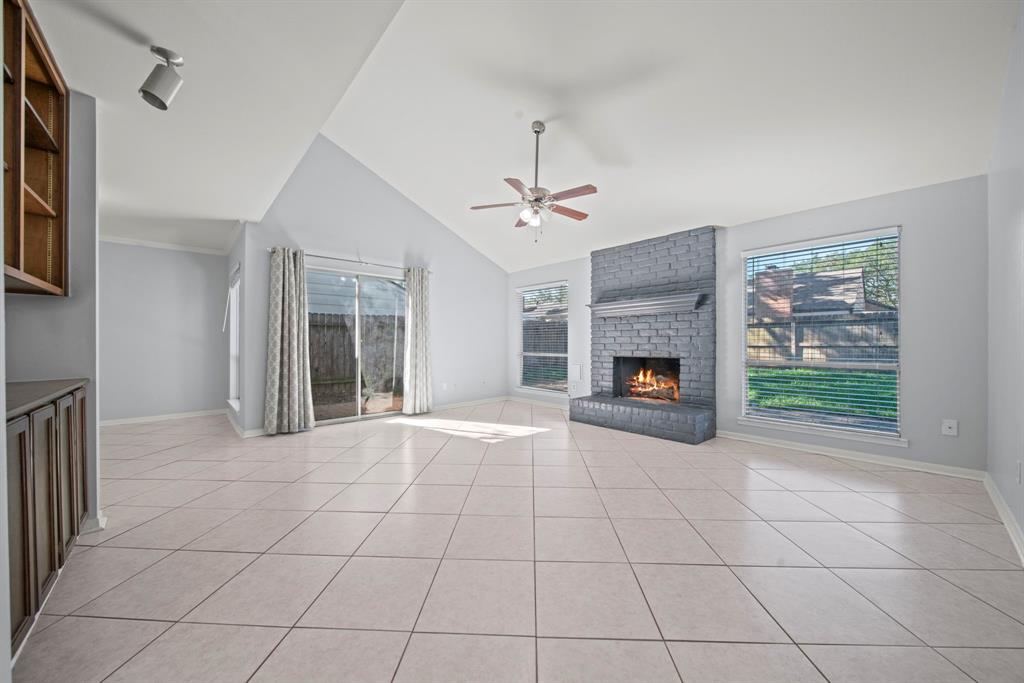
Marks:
<point>646,379</point>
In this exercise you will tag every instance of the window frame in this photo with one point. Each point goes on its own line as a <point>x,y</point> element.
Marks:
<point>522,354</point>
<point>851,433</point>
<point>357,275</point>
<point>234,343</point>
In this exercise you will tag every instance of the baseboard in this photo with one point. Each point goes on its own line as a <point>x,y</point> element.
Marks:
<point>1005,514</point>
<point>91,524</point>
<point>903,463</point>
<point>234,424</point>
<point>468,404</point>
<point>536,397</point>
<point>161,418</point>
<point>493,399</point>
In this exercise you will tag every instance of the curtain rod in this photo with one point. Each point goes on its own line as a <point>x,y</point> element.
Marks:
<point>348,260</point>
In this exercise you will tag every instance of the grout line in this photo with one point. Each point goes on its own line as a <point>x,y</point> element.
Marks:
<point>467,418</point>
<point>437,569</point>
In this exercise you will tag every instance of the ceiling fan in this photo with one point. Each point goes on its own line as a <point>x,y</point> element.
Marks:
<point>537,202</point>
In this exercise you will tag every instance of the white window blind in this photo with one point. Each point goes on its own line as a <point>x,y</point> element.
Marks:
<point>544,312</point>
<point>822,334</point>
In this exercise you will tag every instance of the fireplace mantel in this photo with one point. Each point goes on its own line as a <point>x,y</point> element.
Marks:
<point>648,305</point>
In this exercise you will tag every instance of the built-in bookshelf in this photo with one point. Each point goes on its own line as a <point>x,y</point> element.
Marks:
<point>35,159</point>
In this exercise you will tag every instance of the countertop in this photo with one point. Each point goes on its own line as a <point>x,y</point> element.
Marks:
<point>24,397</point>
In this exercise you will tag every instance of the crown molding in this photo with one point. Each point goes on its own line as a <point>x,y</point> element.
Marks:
<point>164,245</point>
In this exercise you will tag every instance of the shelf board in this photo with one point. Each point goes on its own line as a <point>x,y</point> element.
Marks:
<point>37,135</point>
<point>20,282</point>
<point>8,76</point>
<point>34,204</point>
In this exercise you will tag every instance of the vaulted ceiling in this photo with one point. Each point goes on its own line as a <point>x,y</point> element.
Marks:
<point>260,78</point>
<point>683,114</point>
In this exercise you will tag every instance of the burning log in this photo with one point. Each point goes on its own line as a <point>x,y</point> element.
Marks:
<point>645,384</point>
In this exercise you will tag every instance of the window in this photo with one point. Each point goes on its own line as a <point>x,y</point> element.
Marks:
<point>233,339</point>
<point>544,312</point>
<point>822,334</point>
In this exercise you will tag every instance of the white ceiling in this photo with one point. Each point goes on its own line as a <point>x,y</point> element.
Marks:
<point>683,114</point>
<point>260,78</point>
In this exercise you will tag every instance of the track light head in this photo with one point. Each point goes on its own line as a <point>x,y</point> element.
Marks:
<point>163,82</point>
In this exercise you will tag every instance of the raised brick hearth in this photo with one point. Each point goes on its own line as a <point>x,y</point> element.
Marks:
<point>654,299</point>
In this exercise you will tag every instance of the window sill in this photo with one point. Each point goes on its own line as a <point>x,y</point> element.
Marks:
<point>846,434</point>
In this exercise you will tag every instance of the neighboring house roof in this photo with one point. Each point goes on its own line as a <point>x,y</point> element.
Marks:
<point>835,291</point>
<point>782,293</point>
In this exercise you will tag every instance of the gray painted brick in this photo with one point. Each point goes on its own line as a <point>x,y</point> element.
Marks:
<point>680,262</point>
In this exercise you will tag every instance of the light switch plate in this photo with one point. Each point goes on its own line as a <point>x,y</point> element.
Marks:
<point>950,428</point>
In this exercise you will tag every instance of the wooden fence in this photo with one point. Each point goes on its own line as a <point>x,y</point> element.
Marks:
<point>334,366</point>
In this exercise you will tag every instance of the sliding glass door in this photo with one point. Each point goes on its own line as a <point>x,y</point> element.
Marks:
<point>356,343</point>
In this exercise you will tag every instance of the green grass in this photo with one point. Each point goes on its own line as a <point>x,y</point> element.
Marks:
<point>869,394</point>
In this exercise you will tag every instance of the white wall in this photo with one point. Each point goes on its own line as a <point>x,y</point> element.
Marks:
<point>577,274</point>
<point>1006,285</point>
<point>943,316</point>
<point>50,337</point>
<point>333,204</point>
<point>162,350</point>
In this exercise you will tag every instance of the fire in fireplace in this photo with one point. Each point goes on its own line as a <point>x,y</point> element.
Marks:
<point>652,379</point>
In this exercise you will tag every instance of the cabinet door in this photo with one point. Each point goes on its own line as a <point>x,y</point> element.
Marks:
<point>81,456</point>
<point>44,489</point>
<point>67,518</point>
<point>19,517</point>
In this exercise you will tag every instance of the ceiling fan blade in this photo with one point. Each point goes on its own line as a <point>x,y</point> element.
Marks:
<point>494,206</point>
<point>574,192</point>
<point>519,223</point>
<point>565,211</point>
<point>519,187</point>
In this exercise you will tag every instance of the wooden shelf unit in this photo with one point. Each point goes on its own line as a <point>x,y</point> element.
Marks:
<point>35,159</point>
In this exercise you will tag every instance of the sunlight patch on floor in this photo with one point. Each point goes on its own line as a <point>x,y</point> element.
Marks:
<point>488,432</point>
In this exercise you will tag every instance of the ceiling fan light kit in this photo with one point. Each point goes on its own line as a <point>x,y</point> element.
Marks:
<point>538,203</point>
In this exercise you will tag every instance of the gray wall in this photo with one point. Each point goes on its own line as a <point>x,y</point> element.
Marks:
<point>577,274</point>
<point>333,204</point>
<point>51,337</point>
<point>162,350</point>
<point>1005,286</point>
<point>943,314</point>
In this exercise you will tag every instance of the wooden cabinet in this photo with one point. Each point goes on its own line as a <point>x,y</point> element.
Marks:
<point>67,446</point>
<point>35,159</point>
<point>80,460</point>
<point>46,482</point>
<point>42,425</point>
<point>19,527</point>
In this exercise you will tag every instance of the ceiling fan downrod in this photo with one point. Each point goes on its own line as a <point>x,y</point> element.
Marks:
<point>538,128</point>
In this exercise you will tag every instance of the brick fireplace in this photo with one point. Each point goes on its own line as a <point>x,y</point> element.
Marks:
<point>653,338</point>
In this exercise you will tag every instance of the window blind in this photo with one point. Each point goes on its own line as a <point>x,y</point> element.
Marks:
<point>544,313</point>
<point>822,335</point>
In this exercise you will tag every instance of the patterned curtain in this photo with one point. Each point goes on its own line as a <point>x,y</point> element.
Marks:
<point>417,397</point>
<point>288,406</point>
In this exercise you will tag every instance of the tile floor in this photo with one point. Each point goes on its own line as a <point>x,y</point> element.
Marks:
<point>501,543</point>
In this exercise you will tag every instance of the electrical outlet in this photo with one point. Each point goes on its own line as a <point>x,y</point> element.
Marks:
<point>950,427</point>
